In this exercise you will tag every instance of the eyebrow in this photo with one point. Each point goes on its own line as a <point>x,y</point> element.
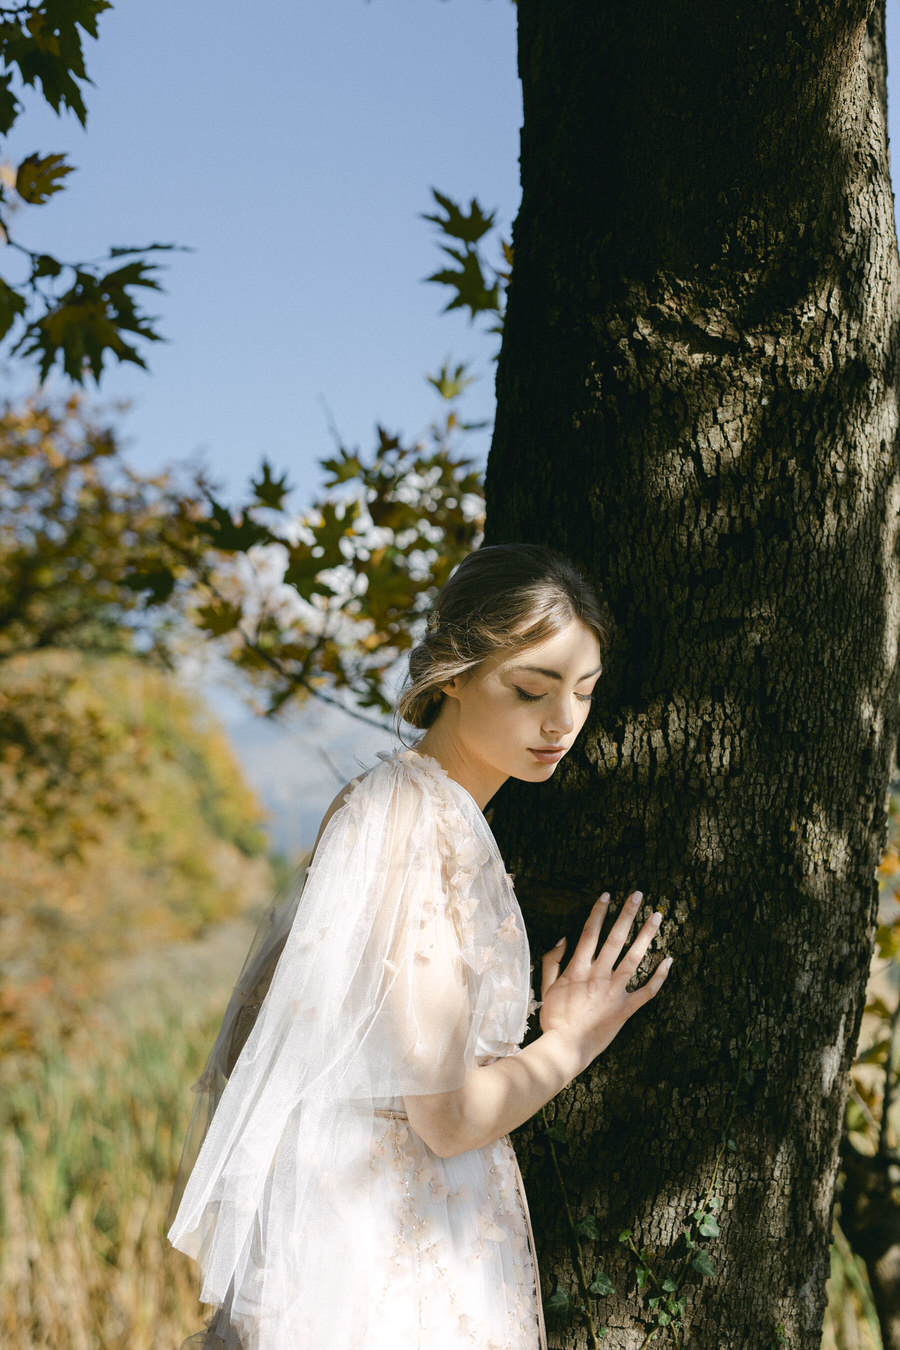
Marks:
<point>554,674</point>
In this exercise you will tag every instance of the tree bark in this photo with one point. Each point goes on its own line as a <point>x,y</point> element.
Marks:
<point>697,400</point>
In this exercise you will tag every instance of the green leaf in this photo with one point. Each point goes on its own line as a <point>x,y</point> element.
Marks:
<point>663,1319</point>
<point>601,1285</point>
<point>587,1228</point>
<point>559,1304</point>
<point>12,307</point>
<point>708,1226</point>
<point>270,491</point>
<point>626,1236</point>
<point>39,176</point>
<point>89,320</point>
<point>557,1132</point>
<point>9,104</point>
<point>643,1274</point>
<point>219,618</point>
<point>731,1145</point>
<point>472,291</point>
<point>343,469</point>
<point>158,582</point>
<point>456,224</point>
<point>302,570</point>
<point>230,535</point>
<point>44,265</point>
<point>703,1265</point>
<point>669,1286</point>
<point>451,383</point>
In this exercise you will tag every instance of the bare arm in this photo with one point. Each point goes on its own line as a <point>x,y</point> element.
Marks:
<point>583,1008</point>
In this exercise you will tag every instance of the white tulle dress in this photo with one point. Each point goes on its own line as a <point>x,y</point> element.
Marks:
<point>318,1217</point>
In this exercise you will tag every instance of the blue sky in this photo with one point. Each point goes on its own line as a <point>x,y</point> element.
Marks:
<point>291,146</point>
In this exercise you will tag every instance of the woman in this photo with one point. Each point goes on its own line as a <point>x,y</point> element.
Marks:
<point>356,1189</point>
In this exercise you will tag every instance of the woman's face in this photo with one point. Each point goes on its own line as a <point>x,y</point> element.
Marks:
<point>515,716</point>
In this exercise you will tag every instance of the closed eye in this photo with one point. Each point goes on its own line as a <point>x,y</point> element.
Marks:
<point>526,697</point>
<point>533,698</point>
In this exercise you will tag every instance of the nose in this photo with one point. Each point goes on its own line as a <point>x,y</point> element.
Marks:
<point>559,719</point>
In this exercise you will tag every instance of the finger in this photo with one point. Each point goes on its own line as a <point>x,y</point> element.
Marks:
<point>639,948</point>
<point>583,954</point>
<point>655,982</point>
<point>550,965</point>
<point>609,952</point>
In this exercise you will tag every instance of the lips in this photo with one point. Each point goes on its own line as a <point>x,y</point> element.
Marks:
<point>548,754</point>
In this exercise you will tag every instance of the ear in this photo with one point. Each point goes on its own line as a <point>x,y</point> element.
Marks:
<point>451,688</point>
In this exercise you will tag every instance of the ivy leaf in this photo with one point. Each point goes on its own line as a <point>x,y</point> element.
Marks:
<point>587,1228</point>
<point>626,1236</point>
<point>270,491</point>
<point>601,1285</point>
<point>39,176</point>
<point>709,1226</point>
<point>559,1304</point>
<point>669,1286</point>
<point>557,1132</point>
<point>703,1265</point>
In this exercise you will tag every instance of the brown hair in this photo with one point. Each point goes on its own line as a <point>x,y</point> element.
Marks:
<point>503,597</point>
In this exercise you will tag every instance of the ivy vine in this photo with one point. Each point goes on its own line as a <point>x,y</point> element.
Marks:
<point>663,1291</point>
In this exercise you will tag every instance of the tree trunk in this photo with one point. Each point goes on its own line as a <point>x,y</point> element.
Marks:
<point>697,400</point>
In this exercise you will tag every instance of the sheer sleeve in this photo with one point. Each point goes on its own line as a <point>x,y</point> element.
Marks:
<point>378,993</point>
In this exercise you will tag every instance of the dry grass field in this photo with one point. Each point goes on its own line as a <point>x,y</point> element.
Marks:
<point>90,1145</point>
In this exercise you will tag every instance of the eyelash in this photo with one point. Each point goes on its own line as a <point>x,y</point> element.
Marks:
<point>533,698</point>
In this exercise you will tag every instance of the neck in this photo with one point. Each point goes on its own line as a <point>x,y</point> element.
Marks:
<point>480,780</point>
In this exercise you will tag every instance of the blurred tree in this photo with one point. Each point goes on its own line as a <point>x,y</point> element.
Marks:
<point>329,600</point>
<point>76,314</point>
<point>84,544</point>
<point>138,830</point>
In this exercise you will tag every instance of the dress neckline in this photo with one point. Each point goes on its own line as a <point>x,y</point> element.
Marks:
<point>438,769</point>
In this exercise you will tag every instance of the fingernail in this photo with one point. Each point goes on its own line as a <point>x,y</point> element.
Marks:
<point>604,899</point>
<point>656,919</point>
<point>561,941</point>
<point>637,898</point>
<point>665,964</point>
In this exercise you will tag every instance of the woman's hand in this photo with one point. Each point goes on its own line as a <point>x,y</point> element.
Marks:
<point>589,1002</point>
